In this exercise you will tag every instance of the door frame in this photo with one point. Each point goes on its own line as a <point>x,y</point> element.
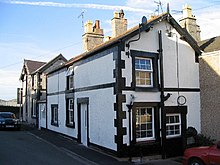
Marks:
<point>84,100</point>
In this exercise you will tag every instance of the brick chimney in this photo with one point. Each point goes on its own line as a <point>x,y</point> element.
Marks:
<point>188,21</point>
<point>92,36</point>
<point>119,24</point>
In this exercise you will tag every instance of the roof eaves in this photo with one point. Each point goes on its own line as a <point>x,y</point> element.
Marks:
<point>128,34</point>
<point>185,35</point>
<point>45,66</point>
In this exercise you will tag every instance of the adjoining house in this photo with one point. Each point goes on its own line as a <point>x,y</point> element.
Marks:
<point>34,80</point>
<point>40,84</point>
<point>210,87</point>
<point>27,80</point>
<point>136,93</point>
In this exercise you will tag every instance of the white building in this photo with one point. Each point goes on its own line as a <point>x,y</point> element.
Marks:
<point>150,73</point>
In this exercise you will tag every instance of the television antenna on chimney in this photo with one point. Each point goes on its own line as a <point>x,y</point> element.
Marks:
<point>82,16</point>
<point>159,7</point>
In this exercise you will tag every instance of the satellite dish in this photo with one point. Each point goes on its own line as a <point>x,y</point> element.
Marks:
<point>144,20</point>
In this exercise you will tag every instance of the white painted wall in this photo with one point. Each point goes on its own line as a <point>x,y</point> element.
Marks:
<point>96,72</point>
<point>188,72</point>
<point>101,101</point>
<point>101,117</point>
<point>57,83</point>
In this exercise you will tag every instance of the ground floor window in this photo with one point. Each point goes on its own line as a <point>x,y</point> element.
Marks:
<point>173,125</point>
<point>34,111</point>
<point>145,123</point>
<point>54,114</point>
<point>70,112</point>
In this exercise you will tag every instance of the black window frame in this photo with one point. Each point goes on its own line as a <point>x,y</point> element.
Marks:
<point>68,82</point>
<point>68,124</point>
<point>54,123</point>
<point>148,55</point>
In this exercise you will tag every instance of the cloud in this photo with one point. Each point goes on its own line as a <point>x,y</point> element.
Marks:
<point>89,6</point>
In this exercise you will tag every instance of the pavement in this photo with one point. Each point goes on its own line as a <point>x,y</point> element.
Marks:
<point>92,155</point>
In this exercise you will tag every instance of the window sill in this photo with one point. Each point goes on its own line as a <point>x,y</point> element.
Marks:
<point>146,89</point>
<point>55,124</point>
<point>70,125</point>
<point>147,142</point>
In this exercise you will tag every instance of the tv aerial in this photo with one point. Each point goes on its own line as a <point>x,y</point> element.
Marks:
<point>82,16</point>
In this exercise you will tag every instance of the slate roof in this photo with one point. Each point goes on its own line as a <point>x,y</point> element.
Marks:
<point>134,31</point>
<point>33,65</point>
<point>48,64</point>
<point>210,45</point>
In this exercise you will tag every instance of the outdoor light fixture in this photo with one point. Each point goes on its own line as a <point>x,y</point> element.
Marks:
<point>130,106</point>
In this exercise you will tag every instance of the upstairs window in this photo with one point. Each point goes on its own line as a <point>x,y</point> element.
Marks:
<point>69,75</point>
<point>70,82</point>
<point>144,72</point>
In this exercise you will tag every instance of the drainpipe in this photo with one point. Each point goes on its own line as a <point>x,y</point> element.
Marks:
<point>163,113</point>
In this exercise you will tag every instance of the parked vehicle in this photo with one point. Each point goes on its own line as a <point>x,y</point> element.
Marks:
<point>206,155</point>
<point>9,120</point>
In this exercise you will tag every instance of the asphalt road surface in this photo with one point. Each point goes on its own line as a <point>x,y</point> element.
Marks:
<point>23,148</point>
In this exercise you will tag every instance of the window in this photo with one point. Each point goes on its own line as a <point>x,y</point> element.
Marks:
<point>144,72</point>
<point>69,75</point>
<point>173,125</point>
<point>34,112</point>
<point>54,114</point>
<point>70,113</point>
<point>144,123</point>
<point>70,82</point>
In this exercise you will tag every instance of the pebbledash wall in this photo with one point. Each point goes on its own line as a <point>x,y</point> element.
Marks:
<point>106,80</point>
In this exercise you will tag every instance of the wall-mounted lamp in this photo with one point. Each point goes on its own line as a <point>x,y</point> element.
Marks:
<point>130,106</point>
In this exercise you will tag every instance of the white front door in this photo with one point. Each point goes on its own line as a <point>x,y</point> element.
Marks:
<point>84,124</point>
<point>42,115</point>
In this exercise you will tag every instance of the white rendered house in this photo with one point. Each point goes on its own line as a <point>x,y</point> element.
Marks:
<point>137,92</point>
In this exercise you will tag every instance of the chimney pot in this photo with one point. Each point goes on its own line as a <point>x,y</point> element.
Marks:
<point>119,24</point>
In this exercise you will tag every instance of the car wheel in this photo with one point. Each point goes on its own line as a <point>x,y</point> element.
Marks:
<point>195,161</point>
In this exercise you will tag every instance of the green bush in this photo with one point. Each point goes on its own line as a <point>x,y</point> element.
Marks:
<point>202,140</point>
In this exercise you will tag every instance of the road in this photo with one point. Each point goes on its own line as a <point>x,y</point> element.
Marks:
<point>23,148</point>
<point>43,147</point>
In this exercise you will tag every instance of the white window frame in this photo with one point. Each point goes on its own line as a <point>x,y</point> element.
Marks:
<point>174,124</point>
<point>152,122</point>
<point>145,70</point>
<point>70,82</point>
<point>70,110</point>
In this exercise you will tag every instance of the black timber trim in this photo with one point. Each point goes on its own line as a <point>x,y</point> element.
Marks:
<point>55,93</point>
<point>83,100</point>
<point>154,57</point>
<point>181,89</point>
<point>156,106</point>
<point>95,87</point>
<point>120,98</point>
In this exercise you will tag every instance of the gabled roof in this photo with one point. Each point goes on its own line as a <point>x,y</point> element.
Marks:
<point>33,65</point>
<point>134,31</point>
<point>30,66</point>
<point>51,62</point>
<point>210,45</point>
